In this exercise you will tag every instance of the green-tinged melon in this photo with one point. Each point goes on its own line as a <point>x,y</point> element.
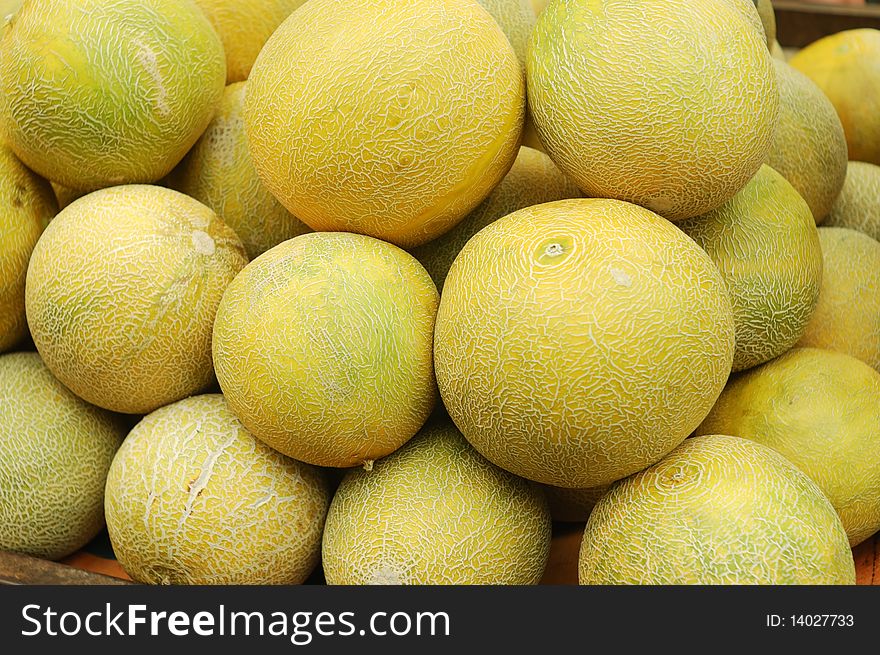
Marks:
<point>65,195</point>
<point>858,205</point>
<point>573,505</point>
<point>768,19</point>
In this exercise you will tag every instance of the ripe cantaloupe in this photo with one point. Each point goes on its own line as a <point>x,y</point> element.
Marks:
<point>533,179</point>
<point>847,316</point>
<point>121,294</point>
<point>27,204</point>
<point>99,93</point>
<point>766,245</point>
<point>858,205</point>
<point>436,512</point>
<point>643,101</point>
<point>846,66</point>
<point>581,340</point>
<point>573,505</point>
<point>716,510</point>
<point>55,450</point>
<point>821,410</point>
<point>412,117</point>
<point>193,498</point>
<point>322,346</point>
<point>218,171</point>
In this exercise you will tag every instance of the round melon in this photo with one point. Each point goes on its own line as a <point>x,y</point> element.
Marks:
<point>650,110</point>
<point>65,195</point>
<point>777,52</point>
<point>809,147</point>
<point>102,93</point>
<point>55,450</point>
<point>436,512</point>
<point>858,205</point>
<point>847,316</point>
<point>846,66</point>
<point>410,119</point>
<point>193,498</point>
<point>716,510</point>
<point>821,410</point>
<point>768,19</point>
<point>766,245</point>
<point>516,18</point>
<point>322,346</point>
<point>121,294</point>
<point>27,204</point>
<point>218,171</point>
<point>538,5</point>
<point>9,7</point>
<point>533,179</point>
<point>581,340</point>
<point>573,505</point>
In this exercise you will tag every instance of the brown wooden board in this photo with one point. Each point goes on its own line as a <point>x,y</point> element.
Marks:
<point>799,24</point>
<point>22,569</point>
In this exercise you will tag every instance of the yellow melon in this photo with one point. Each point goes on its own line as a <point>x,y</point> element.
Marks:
<point>121,294</point>
<point>858,205</point>
<point>579,341</point>
<point>538,5</point>
<point>821,410</point>
<point>777,52</point>
<point>643,101</point>
<point>322,346</point>
<point>768,19</point>
<point>436,512</point>
<point>573,505</point>
<point>411,118</point>
<point>716,510</point>
<point>516,18</point>
<point>65,195</point>
<point>99,93</point>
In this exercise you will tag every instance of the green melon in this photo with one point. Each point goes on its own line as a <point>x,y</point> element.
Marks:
<point>858,205</point>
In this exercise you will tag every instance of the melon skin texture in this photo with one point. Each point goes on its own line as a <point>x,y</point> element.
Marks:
<point>55,450</point>
<point>98,93</point>
<point>121,294</point>
<point>768,19</point>
<point>27,204</point>
<point>631,109</point>
<point>516,18</point>
<point>716,510</point>
<point>579,341</point>
<point>573,505</point>
<point>847,315</point>
<point>821,410</point>
<point>218,172</point>
<point>436,512</point>
<point>193,498</point>
<point>846,66</point>
<point>533,179</point>
<point>65,195</point>
<point>858,205</point>
<point>322,346</point>
<point>809,146</point>
<point>412,117</point>
<point>766,245</point>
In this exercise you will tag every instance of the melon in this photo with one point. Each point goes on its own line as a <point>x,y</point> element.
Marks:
<point>846,66</point>
<point>121,294</point>
<point>847,316</point>
<point>643,101</point>
<point>27,204</point>
<point>579,341</point>
<point>538,5</point>
<point>9,7</point>
<point>516,18</point>
<point>858,205</point>
<point>322,346</point>
<point>65,195</point>
<point>809,146</point>
<point>55,450</point>
<point>821,410</point>
<point>573,505</point>
<point>436,512</point>
<point>98,93</point>
<point>766,245</point>
<point>218,172</point>
<point>777,51</point>
<point>412,117</point>
<point>533,179</point>
<point>768,19</point>
<point>716,510</point>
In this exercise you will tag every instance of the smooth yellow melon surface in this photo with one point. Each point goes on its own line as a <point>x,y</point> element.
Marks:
<point>533,179</point>
<point>194,498</point>
<point>821,410</point>
<point>436,512</point>
<point>847,316</point>
<point>716,510</point>
<point>846,66</point>
<point>55,450</point>
<point>858,205</point>
<point>121,294</point>
<point>412,116</point>
<point>218,171</point>
<point>322,346</point>
<point>97,93</point>
<point>643,101</point>
<point>809,146</point>
<point>581,340</point>
<point>27,204</point>
<point>516,18</point>
<point>766,245</point>
<point>573,505</point>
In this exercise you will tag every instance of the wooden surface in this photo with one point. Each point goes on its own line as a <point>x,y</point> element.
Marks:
<point>799,24</point>
<point>21,569</point>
